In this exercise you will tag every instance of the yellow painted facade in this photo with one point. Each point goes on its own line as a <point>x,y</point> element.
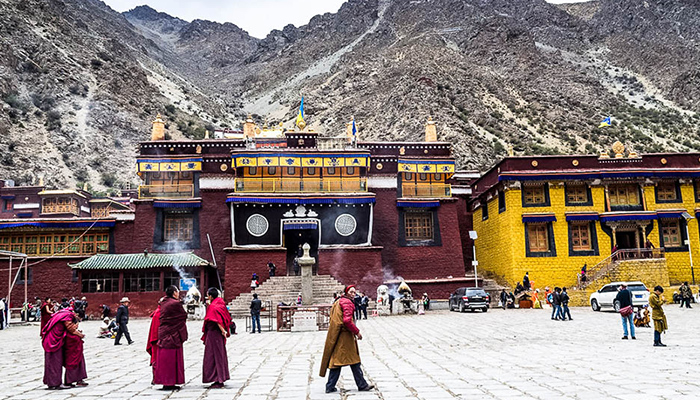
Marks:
<point>500,247</point>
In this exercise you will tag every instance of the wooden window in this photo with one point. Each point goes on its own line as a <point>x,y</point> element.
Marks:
<point>671,233</point>
<point>100,282</point>
<point>142,281</point>
<point>272,170</point>
<point>538,238</point>
<point>60,205</point>
<point>581,236</point>
<point>252,171</point>
<point>311,171</point>
<point>350,170</point>
<point>8,205</point>
<point>485,211</point>
<point>172,278</point>
<point>419,225</point>
<point>99,212</point>
<point>290,171</point>
<point>408,176</point>
<point>666,191</point>
<point>20,278</point>
<point>178,228</point>
<point>331,171</point>
<point>501,201</point>
<point>423,177</point>
<point>534,194</point>
<point>576,194</point>
<point>437,177</point>
<point>624,195</point>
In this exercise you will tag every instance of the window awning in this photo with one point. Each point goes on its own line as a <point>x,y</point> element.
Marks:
<point>670,214</point>
<point>628,216</point>
<point>539,217</point>
<point>367,199</point>
<point>299,224</point>
<point>63,223</point>
<point>141,261</point>
<point>169,164</point>
<point>417,204</point>
<point>592,216</point>
<point>177,204</point>
<point>7,196</point>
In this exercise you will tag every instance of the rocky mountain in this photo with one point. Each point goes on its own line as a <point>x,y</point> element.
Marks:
<point>80,82</point>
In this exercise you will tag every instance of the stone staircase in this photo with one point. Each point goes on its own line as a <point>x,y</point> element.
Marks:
<point>286,289</point>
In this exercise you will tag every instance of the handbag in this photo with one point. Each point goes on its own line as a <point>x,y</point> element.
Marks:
<point>626,311</point>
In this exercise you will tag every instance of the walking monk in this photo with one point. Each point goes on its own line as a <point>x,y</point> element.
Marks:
<point>63,346</point>
<point>215,328</point>
<point>341,343</point>
<point>152,343</point>
<point>172,333</point>
<point>46,313</point>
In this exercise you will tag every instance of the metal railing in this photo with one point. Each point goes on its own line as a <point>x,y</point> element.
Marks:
<point>285,322</point>
<point>292,185</point>
<point>607,264</point>
<point>181,191</point>
<point>426,190</point>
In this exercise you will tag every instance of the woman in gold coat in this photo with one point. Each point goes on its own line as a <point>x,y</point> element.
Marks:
<point>656,300</point>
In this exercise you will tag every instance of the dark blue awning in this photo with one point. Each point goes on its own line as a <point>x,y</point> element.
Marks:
<point>288,225</point>
<point>418,204</point>
<point>670,214</point>
<point>177,204</point>
<point>539,218</point>
<point>628,216</point>
<point>582,217</point>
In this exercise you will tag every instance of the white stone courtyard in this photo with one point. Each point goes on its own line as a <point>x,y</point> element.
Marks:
<point>513,354</point>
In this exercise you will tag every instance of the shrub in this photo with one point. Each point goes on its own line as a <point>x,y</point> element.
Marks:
<point>53,120</point>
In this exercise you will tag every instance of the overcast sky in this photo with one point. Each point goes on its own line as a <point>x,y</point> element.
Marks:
<point>258,17</point>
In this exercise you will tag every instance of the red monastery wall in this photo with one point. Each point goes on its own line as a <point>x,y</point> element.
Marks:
<point>241,263</point>
<point>50,278</point>
<point>361,266</point>
<point>417,262</point>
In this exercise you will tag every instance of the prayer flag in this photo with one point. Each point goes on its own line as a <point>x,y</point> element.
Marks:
<point>605,122</point>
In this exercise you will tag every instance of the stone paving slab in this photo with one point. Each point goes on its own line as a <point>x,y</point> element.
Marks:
<point>511,354</point>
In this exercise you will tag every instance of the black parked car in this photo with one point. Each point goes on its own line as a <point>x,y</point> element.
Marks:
<point>469,298</point>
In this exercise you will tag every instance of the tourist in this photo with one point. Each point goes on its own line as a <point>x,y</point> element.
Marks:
<point>341,344</point>
<point>536,300</point>
<point>526,281</point>
<point>254,283</point>
<point>152,343</point>
<point>46,311</point>
<point>656,300</point>
<point>357,301</point>
<point>503,298</point>
<point>364,303</point>
<point>37,308</point>
<point>105,311</point>
<point>172,333</point>
<point>686,295</point>
<point>215,329</point>
<point>64,303</point>
<point>548,295</point>
<point>583,273</point>
<point>295,265</point>
<point>556,302</point>
<point>63,346</point>
<point>565,305</point>
<point>80,306</point>
<point>122,321</point>
<point>271,268</point>
<point>255,307</point>
<point>426,301</point>
<point>624,299</point>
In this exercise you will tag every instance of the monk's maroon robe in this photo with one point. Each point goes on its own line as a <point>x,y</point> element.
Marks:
<point>172,333</point>
<point>53,335</point>
<point>215,365</point>
<point>152,345</point>
<point>74,359</point>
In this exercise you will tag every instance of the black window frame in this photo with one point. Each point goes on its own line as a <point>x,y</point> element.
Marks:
<point>403,242</point>
<point>682,224</point>
<point>159,242</point>
<point>677,187</point>
<point>485,211</point>
<point>546,202</point>
<point>501,201</point>
<point>552,252</point>
<point>594,251</point>
<point>30,277</point>
<point>588,202</point>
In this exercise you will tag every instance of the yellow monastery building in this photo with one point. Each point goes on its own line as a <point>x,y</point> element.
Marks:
<point>626,217</point>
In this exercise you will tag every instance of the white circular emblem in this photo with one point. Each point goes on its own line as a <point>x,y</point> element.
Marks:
<point>345,224</point>
<point>257,225</point>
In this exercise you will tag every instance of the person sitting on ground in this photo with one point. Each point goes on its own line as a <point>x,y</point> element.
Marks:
<point>104,332</point>
<point>511,300</point>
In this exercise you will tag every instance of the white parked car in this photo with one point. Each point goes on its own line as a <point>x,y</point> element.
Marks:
<point>605,296</point>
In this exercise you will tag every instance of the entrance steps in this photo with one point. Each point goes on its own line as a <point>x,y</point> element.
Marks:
<point>286,289</point>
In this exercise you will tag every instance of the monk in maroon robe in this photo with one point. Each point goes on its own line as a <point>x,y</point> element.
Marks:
<point>62,342</point>
<point>172,333</point>
<point>152,344</point>
<point>46,313</point>
<point>215,328</point>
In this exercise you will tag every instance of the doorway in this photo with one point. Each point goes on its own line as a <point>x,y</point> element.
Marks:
<point>293,239</point>
<point>626,239</point>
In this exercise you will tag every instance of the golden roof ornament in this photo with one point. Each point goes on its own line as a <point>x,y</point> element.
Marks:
<point>511,153</point>
<point>619,149</point>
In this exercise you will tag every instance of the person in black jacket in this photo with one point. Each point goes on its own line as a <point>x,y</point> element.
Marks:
<point>556,302</point>
<point>565,305</point>
<point>624,299</point>
<point>255,307</point>
<point>123,319</point>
